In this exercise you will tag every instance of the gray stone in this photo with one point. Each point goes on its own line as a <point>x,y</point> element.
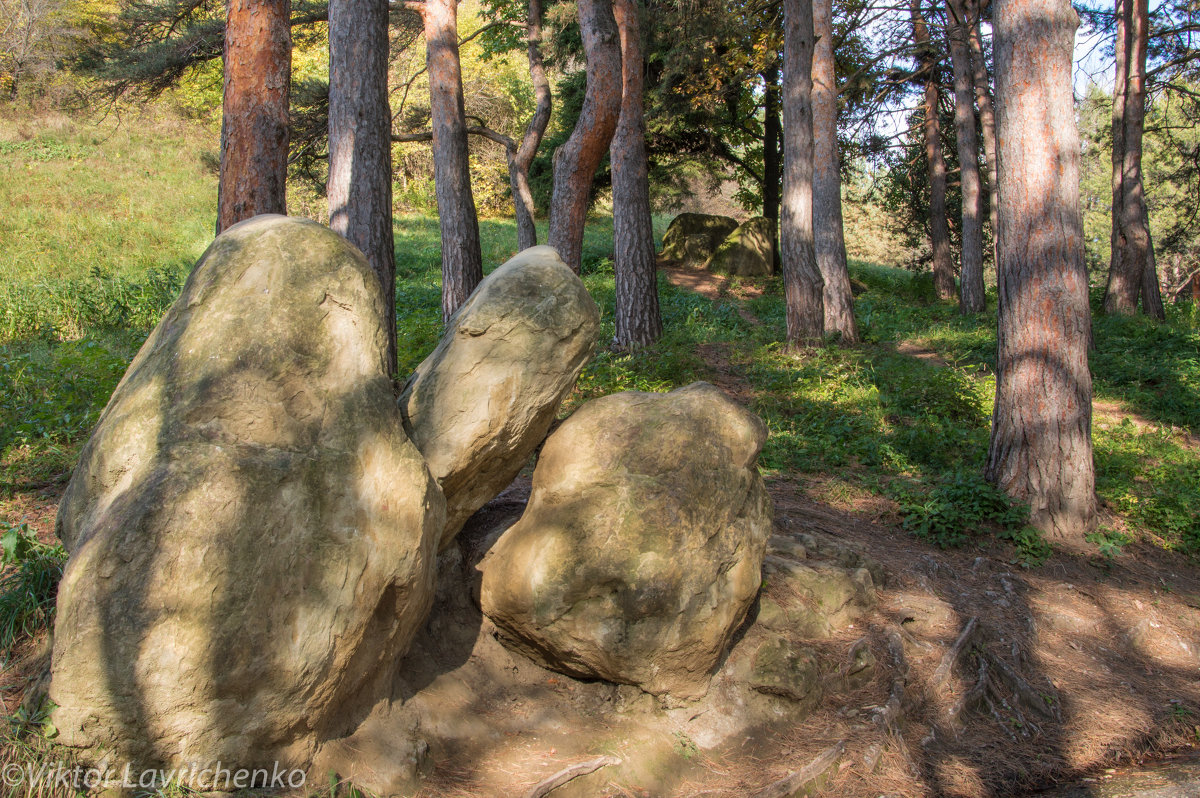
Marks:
<point>694,237</point>
<point>749,251</point>
<point>641,549</point>
<point>788,670</point>
<point>480,404</point>
<point>252,535</point>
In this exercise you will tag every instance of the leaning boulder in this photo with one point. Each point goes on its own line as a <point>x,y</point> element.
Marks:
<point>642,546</point>
<point>749,251</point>
<point>480,404</point>
<point>252,535</point>
<point>693,237</point>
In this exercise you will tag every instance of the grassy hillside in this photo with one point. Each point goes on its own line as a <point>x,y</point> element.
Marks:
<point>104,221</point>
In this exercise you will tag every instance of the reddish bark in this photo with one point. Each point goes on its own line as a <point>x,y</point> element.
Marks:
<point>935,163</point>
<point>638,320</point>
<point>802,283</point>
<point>576,161</point>
<point>254,112</point>
<point>1041,445</point>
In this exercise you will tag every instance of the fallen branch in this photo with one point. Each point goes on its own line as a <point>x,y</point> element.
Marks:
<point>560,778</point>
<point>790,784</point>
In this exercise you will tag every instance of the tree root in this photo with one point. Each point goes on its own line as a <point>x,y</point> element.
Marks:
<point>543,788</point>
<point>790,784</point>
<point>999,689</point>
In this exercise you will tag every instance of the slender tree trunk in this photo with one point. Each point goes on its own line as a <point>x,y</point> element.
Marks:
<point>935,163</point>
<point>772,136</point>
<point>828,232</point>
<point>1131,266</point>
<point>254,114</point>
<point>575,162</point>
<point>1152,303</point>
<point>971,296</point>
<point>360,143</point>
<point>987,116</point>
<point>1041,444</point>
<point>638,320</point>
<point>462,260</point>
<point>519,161</point>
<point>803,286</point>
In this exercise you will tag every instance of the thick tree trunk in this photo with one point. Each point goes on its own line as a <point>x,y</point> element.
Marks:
<point>360,143</point>
<point>803,286</point>
<point>575,162</point>
<point>970,296</point>
<point>254,113</point>
<point>638,320</point>
<point>772,136</point>
<point>1131,264</point>
<point>987,116</point>
<point>1041,444</point>
<point>828,232</point>
<point>519,161</point>
<point>462,260</point>
<point>935,163</point>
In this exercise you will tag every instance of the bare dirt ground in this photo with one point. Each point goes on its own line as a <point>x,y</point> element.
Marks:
<point>963,676</point>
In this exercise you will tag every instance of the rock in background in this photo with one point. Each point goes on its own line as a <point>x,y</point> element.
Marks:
<point>642,545</point>
<point>252,535</point>
<point>749,251</point>
<point>480,404</point>
<point>693,237</point>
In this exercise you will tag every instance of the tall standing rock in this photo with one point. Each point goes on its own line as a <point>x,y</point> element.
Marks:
<point>480,404</point>
<point>252,535</point>
<point>642,545</point>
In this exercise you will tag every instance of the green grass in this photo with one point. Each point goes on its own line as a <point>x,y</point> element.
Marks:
<point>28,583</point>
<point>81,288</point>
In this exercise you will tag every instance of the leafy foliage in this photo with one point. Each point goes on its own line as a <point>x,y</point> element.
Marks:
<point>28,584</point>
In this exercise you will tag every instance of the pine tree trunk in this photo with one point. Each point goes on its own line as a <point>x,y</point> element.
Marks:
<point>987,116</point>
<point>772,135</point>
<point>803,286</point>
<point>519,162</point>
<point>360,145</point>
<point>971,297</point>
<point>1041,445</point>
<point>462,259</point>
<point>828,231</point>
<point>935,163</point>
<point>638,320</point>
<point>576,161</point>
<point>254,117</point>
<point>1132,265</point>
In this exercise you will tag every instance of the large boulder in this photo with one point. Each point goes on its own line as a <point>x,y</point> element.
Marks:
<point>480,404</point>
<point>693,237</point>
<point>252,535</point>
<point>642,545</point>
<point>749,251</point>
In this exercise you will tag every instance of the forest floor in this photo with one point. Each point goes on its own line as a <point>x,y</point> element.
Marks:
<point>1005,680</point>
<point>875,448</point>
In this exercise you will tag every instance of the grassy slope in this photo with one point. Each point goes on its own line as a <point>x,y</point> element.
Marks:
<point>108,221</point>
